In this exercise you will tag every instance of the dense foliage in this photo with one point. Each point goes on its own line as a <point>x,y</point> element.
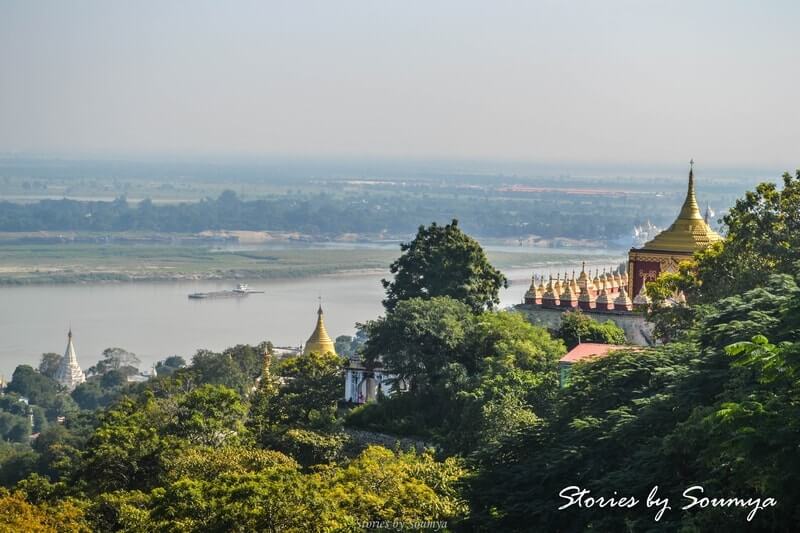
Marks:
<point>576,328</point>
<point>444,261</point>
<point>548,215</point>
<point>763,237</point>
<point>715,407</point>
<point>472,377</point>
<point>188,452</point>
<point>240,441</point>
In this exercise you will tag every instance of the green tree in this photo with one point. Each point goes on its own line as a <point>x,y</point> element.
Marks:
<point>14,428</point>
<point>117,359</point>
<point>299,416</point>
<point>717,410</point>
<point>419,338</point>
<point>39,389</point>
<point>216,369</point>
<point>49,364</point>
<point>209,415</point>
<point>577,327</point>
<point>763,236</point>
<point>17,514</point>
<point>444,261</point>
<point>127,450</point>
<point>313,386</point>
<point>472,377</point>
<point>248,358</point>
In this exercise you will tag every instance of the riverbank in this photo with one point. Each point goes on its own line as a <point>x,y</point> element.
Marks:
<point>35,264</point>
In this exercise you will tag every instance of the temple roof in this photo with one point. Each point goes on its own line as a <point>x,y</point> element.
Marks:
<point>590,349</point>
<point>689,232</point>
<point>319,341</point>
<point>69,373</point>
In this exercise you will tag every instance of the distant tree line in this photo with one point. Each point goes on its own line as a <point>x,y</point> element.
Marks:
<point>547,215</point>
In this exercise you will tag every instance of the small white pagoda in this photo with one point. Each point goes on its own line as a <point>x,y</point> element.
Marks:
<point>69,373</point>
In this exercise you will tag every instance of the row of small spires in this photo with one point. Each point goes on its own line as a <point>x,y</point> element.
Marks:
<point>605,291</point>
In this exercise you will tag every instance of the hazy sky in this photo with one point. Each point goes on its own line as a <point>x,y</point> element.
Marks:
<point>599,81</point>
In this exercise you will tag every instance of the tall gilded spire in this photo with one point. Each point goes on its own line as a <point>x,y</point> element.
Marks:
<point>690,209</point>
<point>319,341</point>
<point>689,232</point>
<point>266,382</point>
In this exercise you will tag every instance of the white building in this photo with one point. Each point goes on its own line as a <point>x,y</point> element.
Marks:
<point>69,373</point>
<point>362,385</point>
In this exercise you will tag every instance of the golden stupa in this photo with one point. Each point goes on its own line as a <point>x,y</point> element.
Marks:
<point>689,232</point>
<point>319,341</point>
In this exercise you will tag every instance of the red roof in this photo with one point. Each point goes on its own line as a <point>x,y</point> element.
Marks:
<point>590,349</point>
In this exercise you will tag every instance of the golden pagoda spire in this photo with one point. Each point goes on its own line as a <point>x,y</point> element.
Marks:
<point>319,341</point>
<point>266,382</point>
<point>689,232</point>
<point>690,210</point>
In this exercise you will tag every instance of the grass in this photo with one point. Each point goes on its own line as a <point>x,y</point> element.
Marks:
<point>80,263</point>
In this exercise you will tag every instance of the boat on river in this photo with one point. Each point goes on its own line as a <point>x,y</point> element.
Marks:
<point>241,290</point>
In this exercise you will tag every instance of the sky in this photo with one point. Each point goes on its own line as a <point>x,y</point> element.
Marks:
<point>584,81</point>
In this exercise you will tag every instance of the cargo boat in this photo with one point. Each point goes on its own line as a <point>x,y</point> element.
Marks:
<point>241,290</point>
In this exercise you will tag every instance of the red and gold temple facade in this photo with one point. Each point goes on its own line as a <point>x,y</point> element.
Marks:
<point>615,292</point>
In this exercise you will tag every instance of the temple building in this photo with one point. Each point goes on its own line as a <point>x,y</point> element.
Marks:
<point>689,233</point>
<point>69,373</point>
<point>319,341</point>
<point>619,295</point>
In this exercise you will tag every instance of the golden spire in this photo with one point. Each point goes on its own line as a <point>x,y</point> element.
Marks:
<point>689,232</point>
<point>266,383</point>
<point>265,363</point>
<point>574,284</point>
<point>583,278</point>
<point>550,293</point>
<point>319,341</point>
<point>690,209</point>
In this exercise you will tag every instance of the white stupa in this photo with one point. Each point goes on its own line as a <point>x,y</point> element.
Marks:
<point>69,373</point>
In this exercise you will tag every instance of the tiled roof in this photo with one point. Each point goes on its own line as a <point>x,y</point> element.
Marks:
<point>590,349</point>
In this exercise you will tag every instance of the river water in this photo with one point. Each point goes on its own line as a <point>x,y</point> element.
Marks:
<point>156,320</point>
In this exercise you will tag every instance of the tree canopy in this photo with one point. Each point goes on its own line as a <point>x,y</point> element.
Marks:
<point>444,261</point>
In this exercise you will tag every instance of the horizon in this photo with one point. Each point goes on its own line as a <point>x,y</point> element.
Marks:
<point>335,166</point>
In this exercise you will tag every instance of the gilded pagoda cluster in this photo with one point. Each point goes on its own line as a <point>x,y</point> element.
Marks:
<point>606,291</point>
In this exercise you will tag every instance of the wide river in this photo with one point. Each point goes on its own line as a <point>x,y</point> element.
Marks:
<point>156,320</point>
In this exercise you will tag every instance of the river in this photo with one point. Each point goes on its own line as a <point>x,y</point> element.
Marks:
<point>156,320</point>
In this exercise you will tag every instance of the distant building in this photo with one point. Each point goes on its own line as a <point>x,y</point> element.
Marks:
<point>141,377</point>
<point>364,384</point>
<point>621,296</point>
<point>319,341</point>
<point>69,373</point>
<point>581,352</point>
<point>361,384</point>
